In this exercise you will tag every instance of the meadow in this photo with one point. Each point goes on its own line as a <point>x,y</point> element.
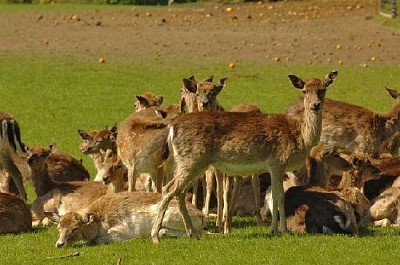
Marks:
<point>52,95</point>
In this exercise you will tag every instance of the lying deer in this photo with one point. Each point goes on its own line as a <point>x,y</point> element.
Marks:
<point>15,216</point>
<point>323,162</point>
<point>242,144</point>
<point>55,196</point>
<point>356,128</point>
<point>317,211</point>
<point>123,216</point>
<point>10,146</point>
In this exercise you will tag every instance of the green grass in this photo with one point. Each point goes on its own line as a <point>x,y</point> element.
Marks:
<point>53,95</point>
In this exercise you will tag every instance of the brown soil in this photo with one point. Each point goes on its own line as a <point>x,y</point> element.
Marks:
<point>301,32</point>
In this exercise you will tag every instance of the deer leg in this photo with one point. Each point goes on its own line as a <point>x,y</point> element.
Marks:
<point>278,198</point>
<point>219,177</point>
<point>16,176</point>
<point>184,212</point>
<point>131,178</point>
<point>162,209</point>
<point>209,188</point>
<point>255,181</point>
<point>232,202</point>
<point>160,179</point>
<point>227,195</point>
<point>194,196</point>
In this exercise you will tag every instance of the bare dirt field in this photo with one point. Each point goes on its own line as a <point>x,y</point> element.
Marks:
<point>301,32</point>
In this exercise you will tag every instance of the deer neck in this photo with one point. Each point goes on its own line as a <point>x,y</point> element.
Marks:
<point>92,231</point>
<point>97,160</point>
<point>311,128</point>
<point>351,178</point>
<point>41,180</point>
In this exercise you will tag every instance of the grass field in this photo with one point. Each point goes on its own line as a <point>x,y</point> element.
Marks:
<point>54,95</point>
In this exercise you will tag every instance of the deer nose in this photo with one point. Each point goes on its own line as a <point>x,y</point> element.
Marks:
<point>60,244</point>
<point>316,106</point>
<point>106,179</point>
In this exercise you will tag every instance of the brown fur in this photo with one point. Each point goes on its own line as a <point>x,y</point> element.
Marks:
<point>147,100</point>
<point>315,210</point>
<point>140,140</point>
<point>58,196</point>
<point>10,146</point>
<point>241,144</point>
<point>15,216</point>
<point>96,141</point>
<point>356,128</point>
<point>121,216</point>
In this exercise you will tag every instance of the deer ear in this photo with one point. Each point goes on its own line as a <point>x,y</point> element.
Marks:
<point>329,78</point>
<point>296,81</point>
<point>142,100</point>
<point>87,218</point>
<point>393,93</point>
<point>160,99</point>
<point>84,134</point>
<point>53,217</point>
<point>160,113</point>
<point>209,79</point>
<point>223,82</point>
<point>190,85</point>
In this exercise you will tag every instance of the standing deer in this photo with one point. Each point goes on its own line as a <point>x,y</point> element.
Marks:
<point>242,144</point>
<point>355,128</point>
<point>94,142</point>
<point>10,146</point>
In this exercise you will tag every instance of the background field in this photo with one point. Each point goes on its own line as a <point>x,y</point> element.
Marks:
<point>51,81</point>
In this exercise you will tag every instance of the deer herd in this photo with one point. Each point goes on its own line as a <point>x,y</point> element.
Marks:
<point>329,167</point>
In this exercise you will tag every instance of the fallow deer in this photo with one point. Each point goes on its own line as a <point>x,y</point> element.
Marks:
<point>242,144</point>
<point>323,162</point>
<point>122,216</point>
<point>15,216</point>
<point>10,146</point>
<point>147,100</point>
<point>56,196</point>
<point>315,210</point>
<point>96,141</point>
<point>139,145</point>
<point>356,128</point>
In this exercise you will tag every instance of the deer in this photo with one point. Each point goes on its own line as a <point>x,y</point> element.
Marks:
<point>15,216</point>
<point>147,100</point>
<point>96,141</point>
<point>122,216</point>
<point>11,146</point>
<point>356,128</point>
<point>114,172</point>
<point>242,143</point>
<point>323,162</point>
<point>56,196</point>
<point>317,211</point>
<point>140,140</point>
<point>202,96</point>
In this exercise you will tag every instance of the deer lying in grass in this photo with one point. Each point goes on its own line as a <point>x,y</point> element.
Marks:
<point>242,144</point>
<point>355,128</point>
<point>123,216</point>
<point>315,210</point>
<point>94,142</point>
<point>147,100</point>
<point>352,183</point>
<point>323,162</point>
<point>15,216</point>
<point>384,193</point>
<point>10,146</point>
<point>55,196</point>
